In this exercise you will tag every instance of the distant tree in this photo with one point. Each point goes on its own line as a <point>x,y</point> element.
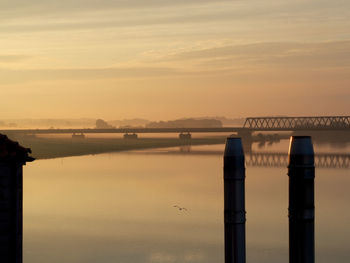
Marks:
<point>101,124</point>
<point>186,123</point>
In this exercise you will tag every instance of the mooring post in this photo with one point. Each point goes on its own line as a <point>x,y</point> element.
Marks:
<point>301,172</point>
<point>234,201</point>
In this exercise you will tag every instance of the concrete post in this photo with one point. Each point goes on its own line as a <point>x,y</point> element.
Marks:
<point>234,201</point>
<point>301,172</point>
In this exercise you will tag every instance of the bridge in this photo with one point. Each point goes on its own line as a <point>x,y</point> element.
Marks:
<point>125,130</point>
<point>252,124</point>
<point>297,123</point>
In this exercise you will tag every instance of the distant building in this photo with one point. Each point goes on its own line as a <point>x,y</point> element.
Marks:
<point>12,158</point>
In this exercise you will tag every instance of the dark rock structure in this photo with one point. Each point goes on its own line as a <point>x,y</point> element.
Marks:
<point>12,158</point>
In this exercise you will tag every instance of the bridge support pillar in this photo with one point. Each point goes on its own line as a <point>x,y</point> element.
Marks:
<point>185,136</point>
<point>78,136</point>
<point>132,136</point>
<point>247,140</point>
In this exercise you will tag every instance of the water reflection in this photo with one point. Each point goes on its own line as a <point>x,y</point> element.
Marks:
<point>119,208</point>
<point>262,158</point>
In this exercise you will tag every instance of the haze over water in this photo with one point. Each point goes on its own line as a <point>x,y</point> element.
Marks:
<point>118,207</point>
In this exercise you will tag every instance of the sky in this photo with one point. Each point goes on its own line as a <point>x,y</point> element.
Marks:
<point>162,59</point>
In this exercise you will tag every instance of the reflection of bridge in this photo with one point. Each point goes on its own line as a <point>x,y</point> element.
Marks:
<point>278,159</point>
<point>273,159</point>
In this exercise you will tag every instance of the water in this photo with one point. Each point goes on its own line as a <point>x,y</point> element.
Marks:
<point>119,208</point>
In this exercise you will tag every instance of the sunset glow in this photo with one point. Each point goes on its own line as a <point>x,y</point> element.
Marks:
<point>170,59</point>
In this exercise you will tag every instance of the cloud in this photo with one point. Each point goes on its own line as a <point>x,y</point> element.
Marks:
<point>67,6</point>
<point>79,14</point>
<point>8,76</point>
<point>330,57</point>
<point>112,22</point>
<point>52,6</point>
<point>289,54</point>
<point>12,58</point>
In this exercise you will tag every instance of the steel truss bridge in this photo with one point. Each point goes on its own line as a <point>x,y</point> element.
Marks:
<point>320,123</point>
<point>298,123</point>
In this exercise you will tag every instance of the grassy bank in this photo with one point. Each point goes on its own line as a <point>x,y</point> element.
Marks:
<point>45,148</point>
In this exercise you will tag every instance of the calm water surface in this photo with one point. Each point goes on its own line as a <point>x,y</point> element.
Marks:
<point>119,208</point>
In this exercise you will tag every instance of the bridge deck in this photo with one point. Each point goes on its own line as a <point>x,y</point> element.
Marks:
<point>124,130</point>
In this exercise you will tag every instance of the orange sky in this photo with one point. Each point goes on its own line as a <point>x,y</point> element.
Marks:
<point>161,59</point>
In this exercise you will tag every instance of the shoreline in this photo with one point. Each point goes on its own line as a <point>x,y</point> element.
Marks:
<point>50,148</point>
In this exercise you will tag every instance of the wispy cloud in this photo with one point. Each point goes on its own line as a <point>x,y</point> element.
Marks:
<point>226,60</point>
<point>112,22</point>
<point>287,54</point>
<point>82,14</point>
<point>12,58</point>
<point>53,7</point>
<point>8,76</point>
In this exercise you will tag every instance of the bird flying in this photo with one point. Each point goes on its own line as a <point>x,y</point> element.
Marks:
<point>180,208</point>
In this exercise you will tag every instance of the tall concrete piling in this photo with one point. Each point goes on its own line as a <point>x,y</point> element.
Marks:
<point>12,159</point>
<point>234,201</point>
<point>301,172</point>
